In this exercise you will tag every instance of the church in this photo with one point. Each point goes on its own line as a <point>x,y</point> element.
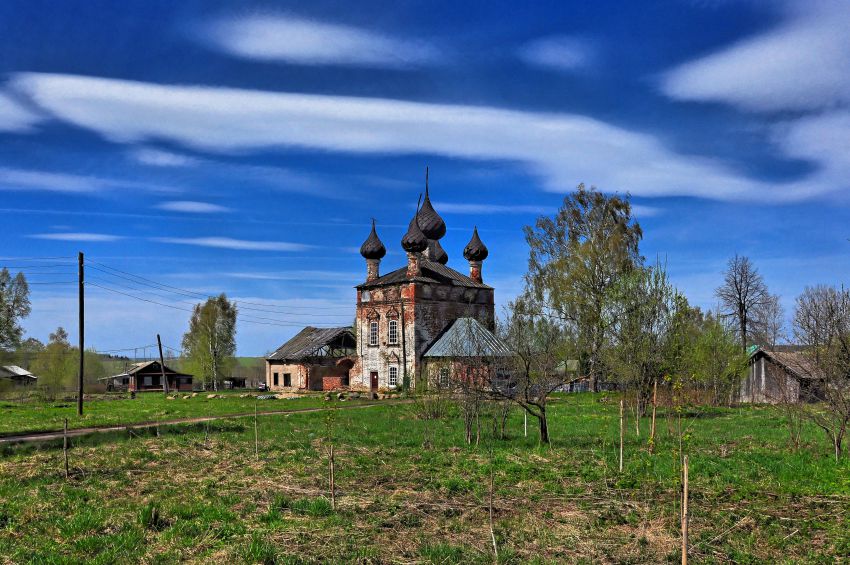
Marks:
<point>400,316</point>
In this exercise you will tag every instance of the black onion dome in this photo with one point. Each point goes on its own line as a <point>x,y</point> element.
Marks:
<point>440,255</point>
<point>372,248</point>
<point>430,222</point>
<point>475,250</point>
<point>414,241</point>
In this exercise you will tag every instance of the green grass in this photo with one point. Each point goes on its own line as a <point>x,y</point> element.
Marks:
<point>200,495</point>
<point>23,417</point>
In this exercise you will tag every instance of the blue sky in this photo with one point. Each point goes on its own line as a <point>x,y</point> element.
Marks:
<point>243,147</point>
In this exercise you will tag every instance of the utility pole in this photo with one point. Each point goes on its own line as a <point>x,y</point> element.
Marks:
<point>82,302</point>
<point>162,366</point>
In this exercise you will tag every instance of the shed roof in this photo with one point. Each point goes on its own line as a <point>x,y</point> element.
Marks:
<point>432,272</point>
<point>308,342</point>
<point>467,337</point>
<point>797,362</point>
<point>15,371</point>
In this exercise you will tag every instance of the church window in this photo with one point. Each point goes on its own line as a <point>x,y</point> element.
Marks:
<point>393,331</point>
<point>444,377</point>
<point>393,378</point>
<point>373,333</point>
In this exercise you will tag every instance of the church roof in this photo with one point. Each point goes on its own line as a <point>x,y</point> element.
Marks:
<point>467,337</point>
<point>372,248</point>
<point>431,273</point>
<point>308,342</point>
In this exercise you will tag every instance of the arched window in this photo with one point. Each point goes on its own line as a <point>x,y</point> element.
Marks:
<point>393,377</point>
<point>392,331</point>
<point>373,333</point>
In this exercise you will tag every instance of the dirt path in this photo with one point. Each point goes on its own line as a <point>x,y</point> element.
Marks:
<point>54,435</point>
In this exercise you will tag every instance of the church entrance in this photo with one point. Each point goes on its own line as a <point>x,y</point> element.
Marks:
<point>374,380</point>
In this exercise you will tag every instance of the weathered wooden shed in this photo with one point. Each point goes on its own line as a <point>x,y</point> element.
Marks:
<point>17,376</point>
<point>147,376</point>
<point>780,376</point>
<point>314,359</point>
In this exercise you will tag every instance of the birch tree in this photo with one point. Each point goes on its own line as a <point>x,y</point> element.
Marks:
<point>210,343</point>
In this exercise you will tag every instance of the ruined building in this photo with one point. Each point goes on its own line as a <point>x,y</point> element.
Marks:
<point>400,315</point>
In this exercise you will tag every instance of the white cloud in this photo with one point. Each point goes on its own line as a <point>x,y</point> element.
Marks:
<point>159,158</point>
<point>296,275</point>
<point>803,64</point>
<point>14,117</point>
<point>309,42</point>
<point>238,244</point>
<point>563,149</point>
<point>192,207</point>
<point>642,211</point>
<point>561,53</point>
<point>77,236</point>
<point>30,180</point>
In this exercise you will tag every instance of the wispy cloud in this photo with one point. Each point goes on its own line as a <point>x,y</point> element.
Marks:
<point>296,275</point>
<point>160,158</point>
<point>77,236</point>
<point>802,64</point>
<point>31,180</point>
<point>192,207</point>
<point>309,42</point>
<point>562,149</point>
<point>560,53</point>
<point>14,117</point>
<point>236,244</point>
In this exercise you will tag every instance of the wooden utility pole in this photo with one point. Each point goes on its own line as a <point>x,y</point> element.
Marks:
<point>685,511</point>
<point>82,303</point>
<point>622,433</point>
<point>162,366</point>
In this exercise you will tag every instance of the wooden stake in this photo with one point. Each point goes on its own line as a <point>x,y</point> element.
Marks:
<point>65,446</point>
<point>333,486</point>
<point>622,433</point>
<point>256,434</point>
<point>637,413</point>
<point>525,423</point>
<point>490,504</point>
<point>685,511</point>
<point>654,404</point>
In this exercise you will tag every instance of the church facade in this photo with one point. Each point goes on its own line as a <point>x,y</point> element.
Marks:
<point>402,313</point>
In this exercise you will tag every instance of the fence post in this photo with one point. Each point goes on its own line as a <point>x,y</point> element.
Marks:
<point>65,446</point>
<point>256,434</point>
<point>654,404</point>
<point>685,511</point>
<point>331,471</point>
<point>622,433</point>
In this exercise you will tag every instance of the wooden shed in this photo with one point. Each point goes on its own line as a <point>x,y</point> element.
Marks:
<point>147,376</point>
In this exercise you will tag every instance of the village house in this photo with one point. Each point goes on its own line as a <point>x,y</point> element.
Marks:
<point>466,350</point>
<point>147,376</point>
<point>780,376</point>
<point>16,376</point>
<point>315,359</point>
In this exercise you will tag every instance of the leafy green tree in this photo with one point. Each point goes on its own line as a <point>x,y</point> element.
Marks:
<point>716,360</point>
<point>575,259</point>
<point>210,343</point>
<point>56,365</point>
<point>14,305</point>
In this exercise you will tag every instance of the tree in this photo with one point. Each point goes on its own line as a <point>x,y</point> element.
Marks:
<point>641,315</point>
<point>822,324</point>
<point>536,342</point>
<point>771,322</point>
<point>210,342</point>
<point>742,294</point>
<point>56,365</point>
<point>716,360</point>
<point>14,305</point>
<point>574,260</point>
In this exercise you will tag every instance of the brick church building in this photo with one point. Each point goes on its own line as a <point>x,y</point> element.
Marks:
<point>400,316</point>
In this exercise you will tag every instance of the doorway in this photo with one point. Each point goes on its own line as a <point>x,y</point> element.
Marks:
<point>374,380</point>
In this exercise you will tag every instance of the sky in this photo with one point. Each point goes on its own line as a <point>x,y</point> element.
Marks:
<point>244,147</point>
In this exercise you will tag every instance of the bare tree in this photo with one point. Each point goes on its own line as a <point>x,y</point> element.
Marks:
<point>822,324</point>
<point>535,341</point>
<point>770,322</point>
<point>742,294</point>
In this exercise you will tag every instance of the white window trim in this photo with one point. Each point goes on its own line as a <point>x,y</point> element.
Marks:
<point>392,332</point>
<point>373,333</point>
<point>444,377</point>
<point>393,372</point>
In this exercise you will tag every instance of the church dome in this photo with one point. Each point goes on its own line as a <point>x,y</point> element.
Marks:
<point>414,241</point>
<point>430,222</point>
<point>440,255</point>
<point>475,250</point>
<point>372,248</point>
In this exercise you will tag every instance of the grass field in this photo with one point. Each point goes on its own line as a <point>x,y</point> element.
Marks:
<point>200,495</point>
<point>23,417</point>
